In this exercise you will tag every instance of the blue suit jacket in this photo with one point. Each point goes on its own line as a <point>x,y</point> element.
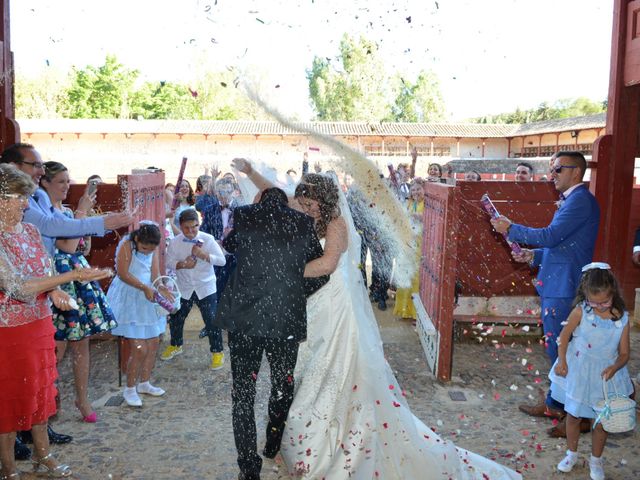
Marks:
<point>52,223</point>
<point>566,245</point>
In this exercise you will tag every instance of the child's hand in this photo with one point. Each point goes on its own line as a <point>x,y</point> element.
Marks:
<point>609,372</point>
<point>148,293</point>
<point>561,369</point>
<point>166,293</point>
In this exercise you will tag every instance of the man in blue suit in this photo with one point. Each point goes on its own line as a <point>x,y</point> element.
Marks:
<point>563,248</point>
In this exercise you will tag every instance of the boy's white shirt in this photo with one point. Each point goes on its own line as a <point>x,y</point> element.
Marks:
<point>201,278</point>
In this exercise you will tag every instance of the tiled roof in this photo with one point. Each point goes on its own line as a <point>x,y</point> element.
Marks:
<point>220,127</point>
<point>563,125</point>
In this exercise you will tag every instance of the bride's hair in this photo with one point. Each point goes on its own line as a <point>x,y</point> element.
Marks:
<point>323,190</point>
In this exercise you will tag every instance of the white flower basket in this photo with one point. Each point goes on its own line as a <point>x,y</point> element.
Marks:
<point>616,412</point>
<point>171,284</point>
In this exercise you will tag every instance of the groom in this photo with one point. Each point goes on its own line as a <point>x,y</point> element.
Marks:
<point>264,310</point>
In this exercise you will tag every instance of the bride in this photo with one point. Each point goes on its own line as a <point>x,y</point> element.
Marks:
<point>349,418</point>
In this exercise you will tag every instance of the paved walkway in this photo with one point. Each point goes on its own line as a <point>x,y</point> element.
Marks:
<point>187,433</point>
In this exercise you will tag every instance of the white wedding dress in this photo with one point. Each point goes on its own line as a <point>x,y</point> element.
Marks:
<point>349,418</point>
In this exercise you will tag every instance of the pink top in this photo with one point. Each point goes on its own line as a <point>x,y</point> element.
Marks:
<point>22,257</point>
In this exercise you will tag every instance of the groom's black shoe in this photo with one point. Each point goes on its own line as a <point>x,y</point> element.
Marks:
<point>20,450</point>
<point>248,476</point>
<point>54,437</point>
<point>274,439</point>
<point>271,450</point>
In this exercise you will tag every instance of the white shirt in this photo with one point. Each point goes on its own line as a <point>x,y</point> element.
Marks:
<point>201,278</point>
<point>568,191</point>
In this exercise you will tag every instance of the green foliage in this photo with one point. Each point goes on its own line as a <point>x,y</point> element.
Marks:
<point>41,97</point>
<point>109,91</point>
<point>564,108</point>
<point>419,101</point>
<point>218,99</point>
<point>162,100</point>
<point>356,89</point>
<point>101,92</point>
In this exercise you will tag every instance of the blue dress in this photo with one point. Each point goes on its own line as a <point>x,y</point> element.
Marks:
<point>137,317</point>
<point>593,347</point>
<point>93,315</point>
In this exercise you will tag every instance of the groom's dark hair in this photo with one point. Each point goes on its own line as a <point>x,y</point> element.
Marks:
<point>274,195</point>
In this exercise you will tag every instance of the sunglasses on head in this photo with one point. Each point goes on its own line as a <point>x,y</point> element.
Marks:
<point>559,168</point>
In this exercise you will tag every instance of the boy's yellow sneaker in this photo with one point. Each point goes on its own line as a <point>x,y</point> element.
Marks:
<point>170,352</point>
<point>217,360</point>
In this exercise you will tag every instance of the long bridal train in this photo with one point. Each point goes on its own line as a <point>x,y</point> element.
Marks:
<point>349,418</point>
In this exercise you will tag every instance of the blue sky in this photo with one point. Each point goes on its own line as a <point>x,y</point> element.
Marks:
<point>491,56</point>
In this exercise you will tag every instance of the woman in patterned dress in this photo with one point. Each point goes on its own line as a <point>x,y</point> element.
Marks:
<point>93,316</point>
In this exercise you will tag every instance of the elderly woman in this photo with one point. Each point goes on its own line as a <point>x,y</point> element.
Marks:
<point>27,351</point>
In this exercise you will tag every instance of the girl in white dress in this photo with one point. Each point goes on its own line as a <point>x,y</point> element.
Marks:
<point>593,345</point>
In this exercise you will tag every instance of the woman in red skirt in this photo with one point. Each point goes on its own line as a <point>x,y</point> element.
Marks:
<point>27,350</point>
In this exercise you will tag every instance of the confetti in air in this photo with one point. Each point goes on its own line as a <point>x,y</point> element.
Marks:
<point>394,226</point>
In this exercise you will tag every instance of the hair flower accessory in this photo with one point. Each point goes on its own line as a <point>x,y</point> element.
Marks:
<point>598,265</point>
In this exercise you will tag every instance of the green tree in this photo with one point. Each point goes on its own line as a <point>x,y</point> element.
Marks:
<point>101,92</point>
<point>356,89</point>
<point>42,96</point>
<point>564,108</point>
<point>219,99</point>
<point>419,101</point>
<point>163,100</point>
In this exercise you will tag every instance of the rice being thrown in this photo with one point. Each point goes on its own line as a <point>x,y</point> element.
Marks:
<point>385,210</point>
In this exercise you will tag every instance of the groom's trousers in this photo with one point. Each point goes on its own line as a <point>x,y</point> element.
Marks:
<point>246,357</point>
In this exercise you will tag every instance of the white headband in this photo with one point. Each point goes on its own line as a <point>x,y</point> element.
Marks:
<point>147,222</point>
<point>594,265</point>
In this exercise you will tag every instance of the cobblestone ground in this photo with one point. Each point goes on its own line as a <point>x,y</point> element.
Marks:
<point>187,434</point>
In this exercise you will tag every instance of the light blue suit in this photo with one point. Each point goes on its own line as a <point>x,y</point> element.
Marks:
<point>565,246</point>
<point>54,224</point>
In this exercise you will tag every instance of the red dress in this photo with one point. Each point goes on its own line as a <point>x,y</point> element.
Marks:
<point>27,349</point>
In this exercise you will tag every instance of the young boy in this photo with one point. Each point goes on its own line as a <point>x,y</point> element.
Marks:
<point>192,255</point>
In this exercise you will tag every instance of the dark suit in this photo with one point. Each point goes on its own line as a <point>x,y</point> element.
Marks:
<point>566,245</point>
<point>264,309</point>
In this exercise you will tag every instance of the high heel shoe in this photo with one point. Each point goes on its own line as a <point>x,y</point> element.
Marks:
<point>60,471</point>
<point>91,418</point>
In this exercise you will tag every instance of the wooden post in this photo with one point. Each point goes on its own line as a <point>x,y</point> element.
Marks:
<point>539,145</point>
<point>9,129</point>
<point>509,147</point>
<point>615,152</point>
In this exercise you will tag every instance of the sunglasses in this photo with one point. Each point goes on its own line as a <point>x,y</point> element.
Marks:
<point>606,304</point>
<point>558,170</point>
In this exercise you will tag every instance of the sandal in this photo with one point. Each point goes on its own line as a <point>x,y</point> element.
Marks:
<point>59,471</point>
